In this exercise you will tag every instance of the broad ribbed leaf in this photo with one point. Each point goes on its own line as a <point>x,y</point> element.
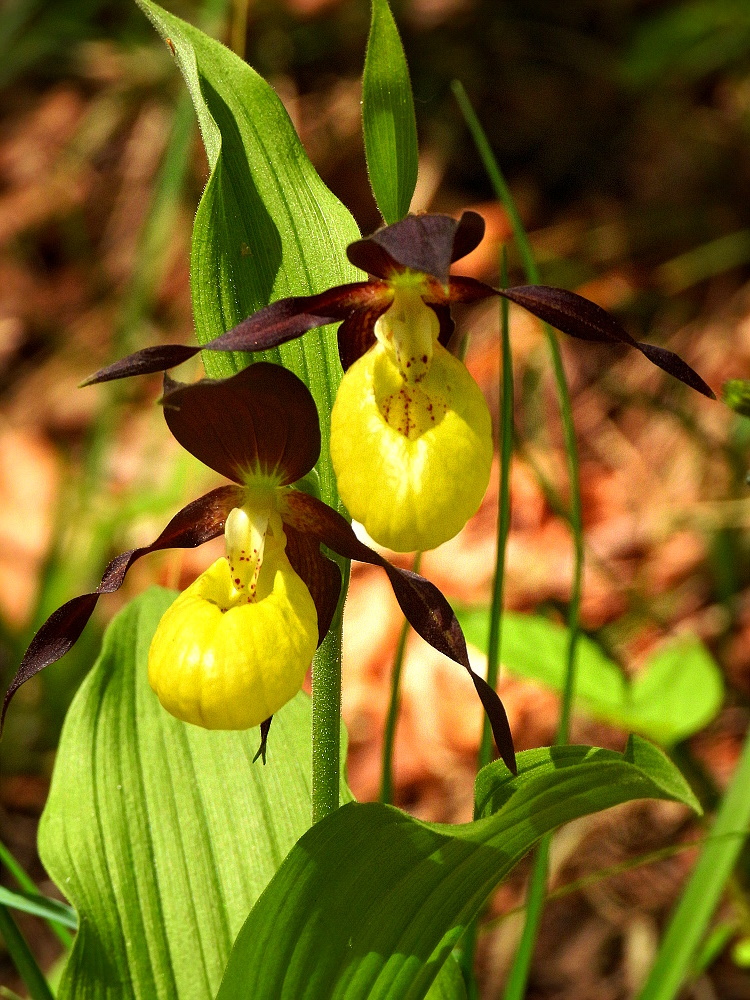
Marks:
<point>388,120</point>
<point>677,693</point>
<point>267,226</point>
<point>371,902</point>
<point>162,835</point>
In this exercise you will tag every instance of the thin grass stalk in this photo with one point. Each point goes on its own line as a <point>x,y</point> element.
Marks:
<point>469,942</point>
<point>389,734</point>
<point>518,979</point>
<point>612,871</point>
<point>503,516</point>
<point>238,31</point>
<point>23,959</point>
<point>26,883</point>
<point>698,902</point>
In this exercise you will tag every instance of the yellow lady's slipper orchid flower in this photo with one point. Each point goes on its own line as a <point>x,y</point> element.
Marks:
<point>410,434</point>
<point>234,647</point>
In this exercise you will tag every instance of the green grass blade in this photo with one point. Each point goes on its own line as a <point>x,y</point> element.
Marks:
<point>702,895</point>
<point>524,954</point>
<point>51,910</point>
<point>503,518</point>
<point>29,887</point>
<point>23,959</point>
<point>468,947</point>
<point>388,120</point>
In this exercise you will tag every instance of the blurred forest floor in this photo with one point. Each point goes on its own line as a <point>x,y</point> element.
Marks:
<point>623,128</point>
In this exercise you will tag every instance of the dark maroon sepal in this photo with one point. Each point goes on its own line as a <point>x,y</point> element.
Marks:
<point>424,243</point>
<point>321,575</point>
<point>428,612</point>
<point>578,317</point>
<point>200,521</point>
<point>283,320</point>
<point>263,419</point>
<point>265,726</point>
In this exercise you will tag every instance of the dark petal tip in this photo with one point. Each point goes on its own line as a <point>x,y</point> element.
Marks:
<point>146,362</point>
<point>673,365</point>
<point>263,748</point>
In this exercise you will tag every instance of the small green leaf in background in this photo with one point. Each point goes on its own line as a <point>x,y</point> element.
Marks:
<point>163,835</point>
<point>677,693</point>
<point>736,394</point>
<point>267,226</point>
<point>388,120</point>
<point>371,902</point>
<point>450,984</point>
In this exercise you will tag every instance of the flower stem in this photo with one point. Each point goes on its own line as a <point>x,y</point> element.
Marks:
<point>516,986</point>
<point>326,724</point>
<point>389,735</point>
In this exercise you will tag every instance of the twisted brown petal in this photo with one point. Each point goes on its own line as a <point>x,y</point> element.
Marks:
<point>277,323</point>
<point>200,521</point>
<point>578,317</point>
<point>261,419</point>
<point>469,234</point>
<point>424,606</point>
<point>462,289</point>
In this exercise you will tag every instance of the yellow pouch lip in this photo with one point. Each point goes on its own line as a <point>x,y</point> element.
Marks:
<point>411,494</point>
<point>233,669</point>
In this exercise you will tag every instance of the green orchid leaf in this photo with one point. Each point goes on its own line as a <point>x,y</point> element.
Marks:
<point>267,226</point>
<point>390,127</point>
<point>163,835</point>
<point>678,692</point>
<point>371,902</point>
